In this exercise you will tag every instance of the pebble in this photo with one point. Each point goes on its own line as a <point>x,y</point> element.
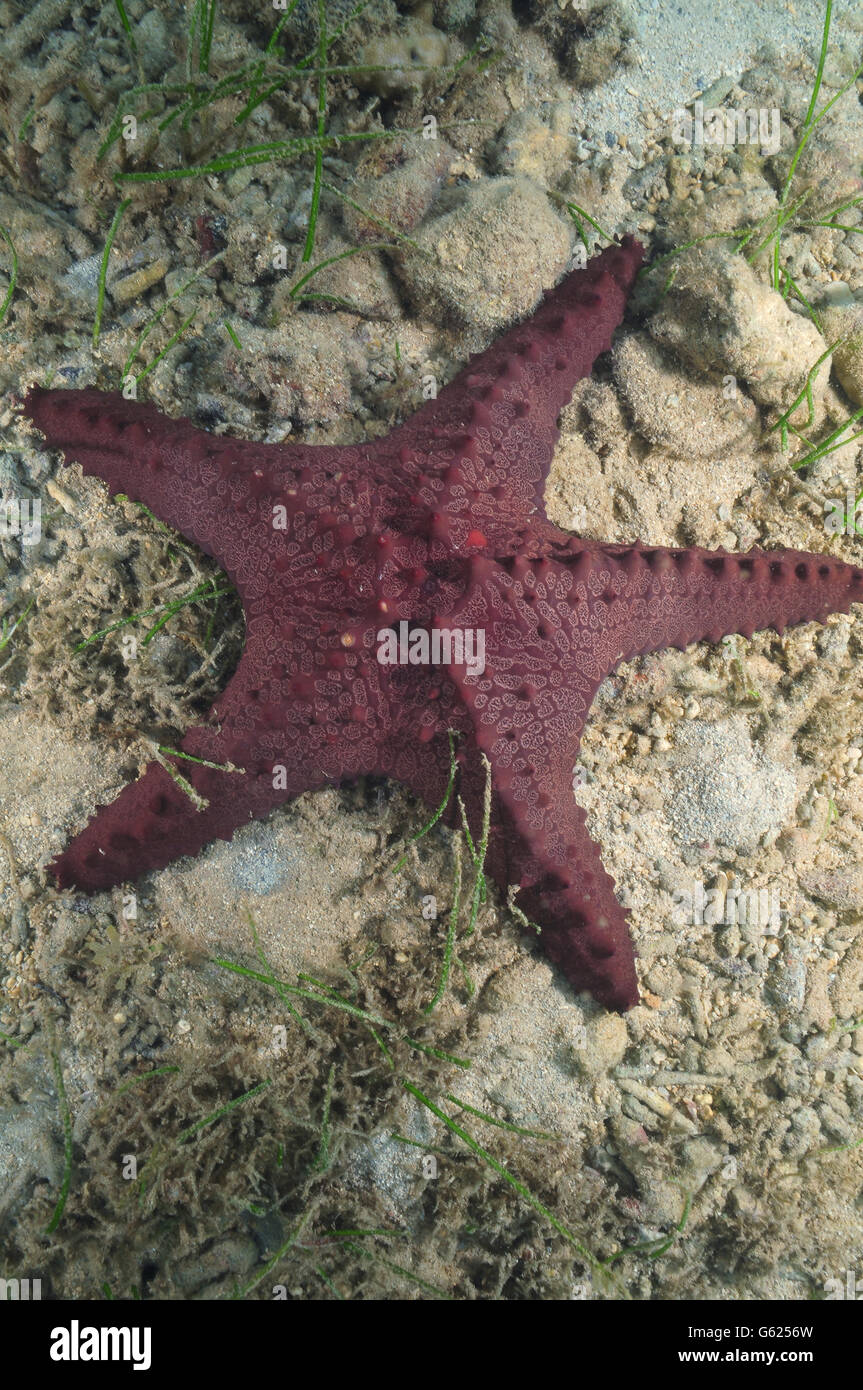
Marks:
<point>134,285</point>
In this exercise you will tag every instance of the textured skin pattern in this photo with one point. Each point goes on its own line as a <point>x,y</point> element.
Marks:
<point>441,524</point>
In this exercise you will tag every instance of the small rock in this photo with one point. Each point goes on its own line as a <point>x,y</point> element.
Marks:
<point>589,41</point>
<point>134,285</point>
<point>399,180</point>
<point>839,887</point>
<point>154,45</point>
<point>671,409</point>
<point>490,256</point>
<point>844,321</point>
<point>724,791</point>
<point>720,316</point>
<point>788,980</point>
<point>602,1044</point>
<point>398,54</point>
<point>535,149</point>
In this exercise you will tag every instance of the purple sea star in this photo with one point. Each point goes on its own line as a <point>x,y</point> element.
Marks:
<point>440,525</point>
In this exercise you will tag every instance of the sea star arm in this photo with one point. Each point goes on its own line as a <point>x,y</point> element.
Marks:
<point>220,493</point>
<point>265,753</point>
<point>153,821</point>
<point>566,892</point>
<point>670,598</point>
<point>483,448</point>
<point>528,709</point>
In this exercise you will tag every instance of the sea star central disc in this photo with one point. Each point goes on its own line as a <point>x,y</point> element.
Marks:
<point>440,526</point>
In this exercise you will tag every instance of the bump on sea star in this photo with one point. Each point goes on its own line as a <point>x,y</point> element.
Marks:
<point>440,524</point>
